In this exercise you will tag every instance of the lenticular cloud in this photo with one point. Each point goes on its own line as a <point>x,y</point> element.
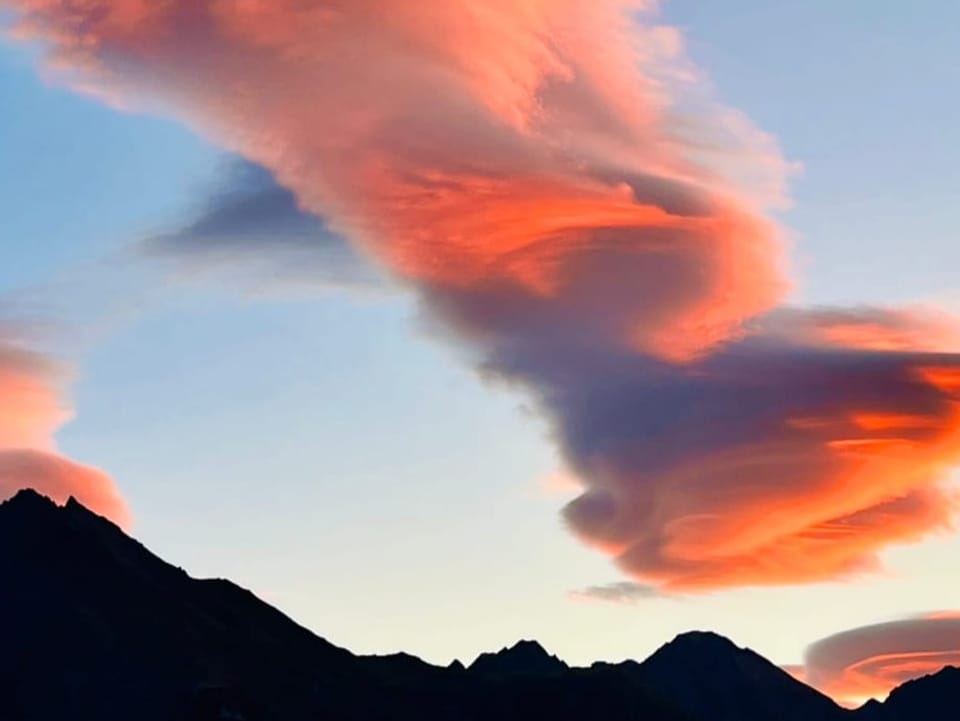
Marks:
<point>551,178</point>
<point>872,660</point>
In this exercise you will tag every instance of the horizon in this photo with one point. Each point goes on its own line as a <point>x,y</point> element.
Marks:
<point>442,325</point>
<point>470,663</point>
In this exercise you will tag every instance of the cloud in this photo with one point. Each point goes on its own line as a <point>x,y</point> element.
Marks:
<point>252,234</point>
<point>31,410</point>
<point>870,661</point>
<point>622,592</point>
<point>479,143</point>
<point>764,463</point>
<point>866,328</point>
<point>554,181</point>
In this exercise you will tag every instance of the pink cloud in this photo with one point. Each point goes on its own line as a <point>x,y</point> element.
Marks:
<point>31,410</point>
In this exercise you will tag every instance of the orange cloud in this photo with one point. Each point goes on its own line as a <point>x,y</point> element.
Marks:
<point>764,466</point>
<point>465,143</point>
<point>551,179</point>
<point>31,409</point>
<point>871,661</point>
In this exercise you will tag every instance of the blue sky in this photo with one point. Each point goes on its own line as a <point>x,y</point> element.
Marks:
<point>858,93</point>
<point>325,451</point>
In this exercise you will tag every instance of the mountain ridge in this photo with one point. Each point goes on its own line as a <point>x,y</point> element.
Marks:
<point>98,628</point>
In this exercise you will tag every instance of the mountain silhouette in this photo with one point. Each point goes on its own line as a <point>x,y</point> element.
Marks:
<point>709,677</point>
<point>929,697</point>
<point>526,658</point>
<point>94,627</point>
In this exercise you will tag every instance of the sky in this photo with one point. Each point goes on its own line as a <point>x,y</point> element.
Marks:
<point>515,362</point>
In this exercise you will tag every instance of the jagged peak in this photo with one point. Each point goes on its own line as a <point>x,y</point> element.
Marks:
<point>524,649</point>
<point>28,502</point>
<point>75,508</point>
<point>523,657</point>
<point>28,496</point>
<point>30,505</point>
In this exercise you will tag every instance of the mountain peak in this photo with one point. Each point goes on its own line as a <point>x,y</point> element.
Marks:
<point>28,498</point>
<point>699,648</point>
<point>528,648</point>
<point>72,502</point>
<point>714,678</point>
<point>703,641</point>
<point>75,509</point>
<point>524,658</point>
<point>28,509</point>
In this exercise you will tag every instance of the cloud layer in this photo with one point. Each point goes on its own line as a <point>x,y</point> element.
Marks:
<point>31,410</point>
<point>871,661</point>
<point>554,181</point>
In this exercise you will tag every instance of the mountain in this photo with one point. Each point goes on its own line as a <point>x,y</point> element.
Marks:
<point>94,627</point>
<point>526,658</point>
<point>929,697</point>
<point>91,621</point>
<point>707,676</point>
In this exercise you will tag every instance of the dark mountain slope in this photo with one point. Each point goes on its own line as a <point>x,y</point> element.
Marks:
<point>92,620</point>
<point>96,628</point>
<point>931,697</point>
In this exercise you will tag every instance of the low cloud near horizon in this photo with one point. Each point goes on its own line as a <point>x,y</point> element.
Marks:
<point>568,199</point>
<point>870,661</point>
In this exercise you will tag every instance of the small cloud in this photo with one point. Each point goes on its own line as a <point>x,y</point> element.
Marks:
<point>622,592</point>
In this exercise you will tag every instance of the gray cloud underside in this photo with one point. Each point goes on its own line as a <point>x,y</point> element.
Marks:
<point>251,232</point>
